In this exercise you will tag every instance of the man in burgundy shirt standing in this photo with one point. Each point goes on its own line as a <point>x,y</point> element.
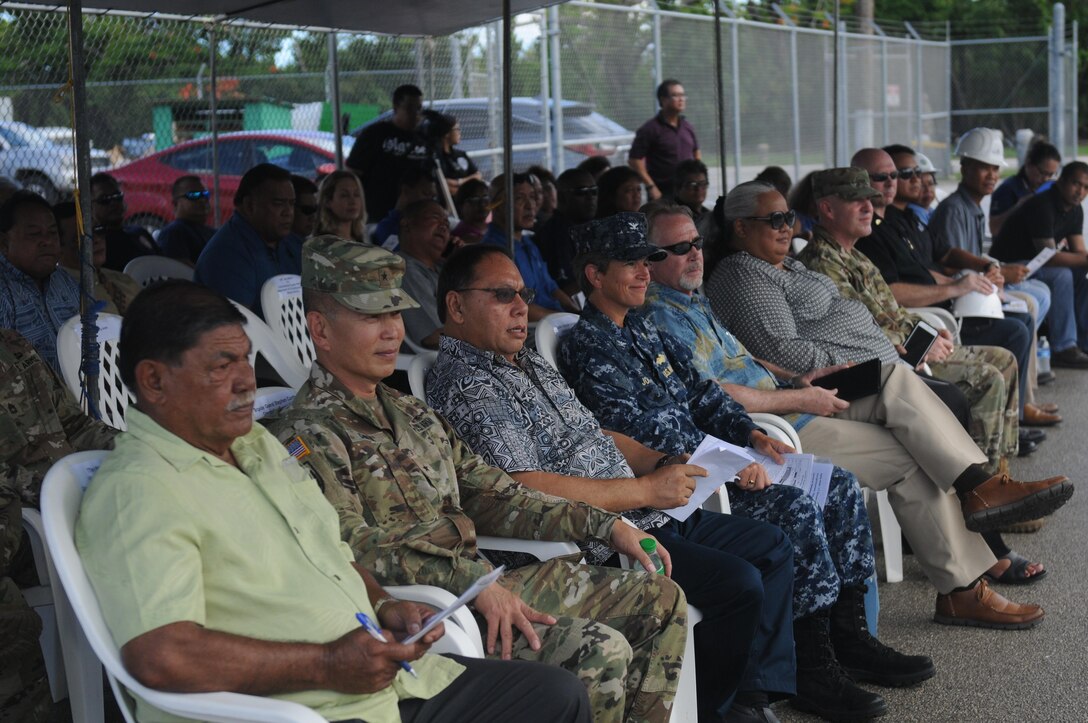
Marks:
<point>663,141</point>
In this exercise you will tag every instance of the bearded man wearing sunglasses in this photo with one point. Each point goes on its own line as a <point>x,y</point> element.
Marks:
<point>187,235</point>
<point>123,242</point>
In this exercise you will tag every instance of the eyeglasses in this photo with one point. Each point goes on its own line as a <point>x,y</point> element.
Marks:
<point>110,198</point>
<point>684,247</point>
<point>881,177</point>
<point>908,173</point>
<point>195,195</point>
<point>777,219</point>
<point>480,200</point>
<point>505,295</point>
<point>693,185</point>
<point>584,191</point>
<point>307,210</point>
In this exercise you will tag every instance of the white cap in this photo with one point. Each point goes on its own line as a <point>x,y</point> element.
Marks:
<point>984,145</point>
<point>974,303</point>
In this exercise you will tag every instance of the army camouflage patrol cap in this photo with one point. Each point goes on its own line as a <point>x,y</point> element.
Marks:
<point>361,277</point>
<point>621,236</point>
<point>849,184</point>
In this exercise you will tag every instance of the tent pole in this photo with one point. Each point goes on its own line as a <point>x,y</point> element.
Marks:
<point>88,314</point>
<point>507,122</point>
<point>720,87</point>
<point>213,104</point>
<point>334,85</point>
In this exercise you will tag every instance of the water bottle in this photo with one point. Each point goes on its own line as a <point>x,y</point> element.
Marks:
<point>1043,356</point>
<point>649,546</point>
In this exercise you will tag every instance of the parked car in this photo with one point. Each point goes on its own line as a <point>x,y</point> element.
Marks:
<point>65,137</point>
<point>147,182</point>
<point>585,131</point>
<point>42,166</point>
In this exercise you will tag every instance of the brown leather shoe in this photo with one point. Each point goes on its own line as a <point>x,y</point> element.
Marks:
<point>1001,501</point>
<point>983,607</point>
<point>1048,407</point>
<point>1036,417</point>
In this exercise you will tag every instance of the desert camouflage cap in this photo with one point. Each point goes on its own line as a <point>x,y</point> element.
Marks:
<point>621,236</point>
<point>849,184</point>
<point>361,277</point>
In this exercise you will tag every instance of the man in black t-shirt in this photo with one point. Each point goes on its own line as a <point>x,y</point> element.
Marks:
<point>384,149</point>
<point>1054,219</point>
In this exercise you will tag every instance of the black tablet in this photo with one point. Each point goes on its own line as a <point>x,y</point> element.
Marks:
<point>860,380</point>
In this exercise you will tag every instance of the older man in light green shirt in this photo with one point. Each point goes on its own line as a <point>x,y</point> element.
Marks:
<point>219,565</point>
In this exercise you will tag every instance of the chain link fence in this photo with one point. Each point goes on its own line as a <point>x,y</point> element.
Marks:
<point>584,79</point>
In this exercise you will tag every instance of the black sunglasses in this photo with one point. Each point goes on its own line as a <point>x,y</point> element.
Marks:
<point>881,177</point>
<point>110,198</point>
<point>692,185</point>
<point>777,219</point>
<point>684,247</point>
<point>196,195</point>
<point>505,295</point>
<point>908,173</point>
<point>584,191</point>
<point>307,210</point>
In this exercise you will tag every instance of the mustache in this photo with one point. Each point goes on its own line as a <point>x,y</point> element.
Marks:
<point>242,400</point>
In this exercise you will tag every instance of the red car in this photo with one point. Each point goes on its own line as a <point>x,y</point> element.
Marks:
<point>148,181</point>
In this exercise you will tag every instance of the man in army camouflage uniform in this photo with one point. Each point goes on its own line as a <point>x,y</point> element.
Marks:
<point>411,497</point>
<point>39,424</point>
<point>987,375</point>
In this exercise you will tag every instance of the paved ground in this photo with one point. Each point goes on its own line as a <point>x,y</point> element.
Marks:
<point>1023,676</point>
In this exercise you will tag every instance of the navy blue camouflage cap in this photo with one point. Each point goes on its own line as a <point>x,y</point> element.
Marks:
<point>360,276</point>
<point>621,236</point>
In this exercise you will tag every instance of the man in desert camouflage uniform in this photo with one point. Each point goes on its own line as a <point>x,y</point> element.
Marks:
<point>39,424</point>
<point>411,496</point>
<point>986,374</point>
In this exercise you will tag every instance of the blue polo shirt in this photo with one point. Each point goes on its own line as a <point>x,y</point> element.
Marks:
<point>236,262</point>
<point>534,272</point>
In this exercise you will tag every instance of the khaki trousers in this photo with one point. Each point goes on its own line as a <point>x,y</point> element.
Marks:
<point>904,440</point>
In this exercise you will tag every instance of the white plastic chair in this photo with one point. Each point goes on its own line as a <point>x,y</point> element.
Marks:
<point>274,349</point>
<point>281,302</point>
<point>940,319</point>
<point>548,331</point>
<point>40,599</point>
<point>89,645</point>
<point>417,373</point>
<point>146,270</point>
<point>113,396</point>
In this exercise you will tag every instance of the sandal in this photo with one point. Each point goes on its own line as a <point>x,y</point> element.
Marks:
<point>1016,574</point>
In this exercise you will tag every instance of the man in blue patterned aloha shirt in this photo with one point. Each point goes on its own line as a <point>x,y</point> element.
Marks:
<point>886,450</point>
<point>514,410</point>
<point>643,383</point>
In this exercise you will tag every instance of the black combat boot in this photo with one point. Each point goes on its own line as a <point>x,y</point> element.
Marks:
<point>865,658</point>
<point>823,687</point>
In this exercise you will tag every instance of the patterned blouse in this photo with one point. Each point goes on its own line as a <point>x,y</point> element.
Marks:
<point>793,317</point>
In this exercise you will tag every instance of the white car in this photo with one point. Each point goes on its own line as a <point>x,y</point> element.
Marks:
<point>40,165</point>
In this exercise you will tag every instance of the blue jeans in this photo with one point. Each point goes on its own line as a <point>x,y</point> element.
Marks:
<point>1038,291</point>
<point>1068,316</point>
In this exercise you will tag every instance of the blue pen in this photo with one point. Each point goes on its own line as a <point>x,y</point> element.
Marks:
<point>370,627</point>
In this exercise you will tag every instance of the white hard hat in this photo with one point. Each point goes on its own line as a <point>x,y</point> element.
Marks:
<point>974,303</point>
<point>924,164</point>
<point>983,144</point>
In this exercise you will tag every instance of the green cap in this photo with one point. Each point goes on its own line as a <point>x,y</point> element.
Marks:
<point>849,184</point>
<point>648,544</point>
<point>360,276</point>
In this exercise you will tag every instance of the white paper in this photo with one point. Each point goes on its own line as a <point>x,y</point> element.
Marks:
<point>466,597</point>
<point>1014,305</point>
<point>1040,258</point>
<point>803,471</point>
<point>722,461</point>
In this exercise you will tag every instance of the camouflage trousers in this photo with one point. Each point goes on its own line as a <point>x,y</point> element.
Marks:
<point>987,375</point>
<point>24,689</point>
<point>621,632</point>
<point>832,547</point>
